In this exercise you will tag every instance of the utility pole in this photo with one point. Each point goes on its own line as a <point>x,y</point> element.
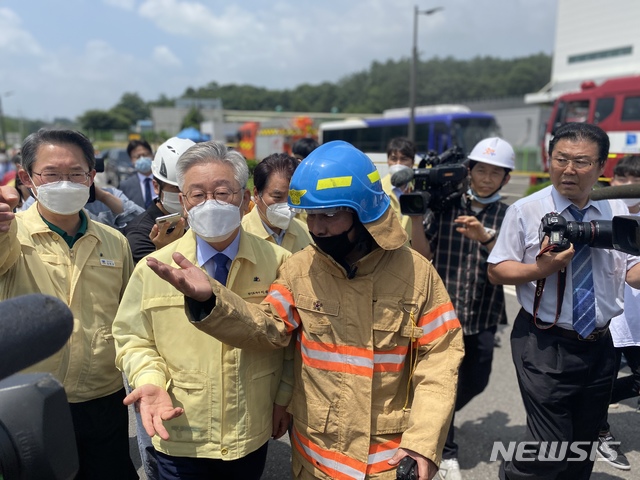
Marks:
<point>414,66</point>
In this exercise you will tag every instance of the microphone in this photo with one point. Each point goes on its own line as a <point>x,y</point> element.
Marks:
<point>619,191</point>
<point>32,328</point>
<point>400,175</point>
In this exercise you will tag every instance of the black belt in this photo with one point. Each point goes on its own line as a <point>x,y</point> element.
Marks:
<point>565,333</point>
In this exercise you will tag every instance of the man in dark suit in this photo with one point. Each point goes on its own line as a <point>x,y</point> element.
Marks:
<point>139,187</point>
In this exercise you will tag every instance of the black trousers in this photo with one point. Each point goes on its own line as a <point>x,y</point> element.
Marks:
<point>565,386</point>
<point>627,386</point>
<point>249,467</point>
<point>102,437</point>
<point>473,377</point>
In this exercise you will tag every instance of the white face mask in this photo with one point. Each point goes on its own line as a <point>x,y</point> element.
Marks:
<point>279,215</point>
<point>171,202</point>
<point>63,198</point>
<point>214,221</point>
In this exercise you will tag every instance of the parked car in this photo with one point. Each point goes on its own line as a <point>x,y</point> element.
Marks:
<point>117,165</point>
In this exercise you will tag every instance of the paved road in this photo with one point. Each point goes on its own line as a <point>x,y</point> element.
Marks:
<point>498,415</point>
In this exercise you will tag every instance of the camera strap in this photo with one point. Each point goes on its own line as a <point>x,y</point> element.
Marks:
<point>562,282</point>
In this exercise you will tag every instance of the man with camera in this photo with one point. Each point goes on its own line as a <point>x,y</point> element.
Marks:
<point>561,344</point>
<point>459,236</point>
<point>54,248</point>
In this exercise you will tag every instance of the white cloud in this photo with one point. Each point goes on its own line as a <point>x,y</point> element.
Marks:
<point>165,57</point>
<point>13,38</point>
<point>193,19</point>
<point>123,4</point>
<point>278,44</point>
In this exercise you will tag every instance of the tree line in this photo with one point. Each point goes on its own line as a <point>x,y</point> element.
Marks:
<point>382,86</point>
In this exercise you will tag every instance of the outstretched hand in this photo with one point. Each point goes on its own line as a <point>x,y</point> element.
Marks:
<point>154,404</point>
<point>188,279</point>
<point>471,227</point>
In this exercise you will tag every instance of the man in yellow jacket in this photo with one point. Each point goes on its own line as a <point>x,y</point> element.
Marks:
<point>378,343</point>
<point>220,404</point>
<point>272,219</point>
<point>54,248</point>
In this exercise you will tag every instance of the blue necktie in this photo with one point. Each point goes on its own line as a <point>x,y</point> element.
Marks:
<point>584,298</point>
<point>147,192</point>
<point>222,271</point>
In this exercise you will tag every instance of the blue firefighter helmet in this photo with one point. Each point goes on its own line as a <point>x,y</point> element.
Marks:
<point>338,175</point>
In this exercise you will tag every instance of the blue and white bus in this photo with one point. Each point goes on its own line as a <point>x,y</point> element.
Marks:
<point>437,132</point>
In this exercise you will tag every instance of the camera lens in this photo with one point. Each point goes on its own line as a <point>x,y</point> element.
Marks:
<point>579,232</point>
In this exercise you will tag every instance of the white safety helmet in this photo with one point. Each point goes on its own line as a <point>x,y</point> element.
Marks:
<point>494,151</point>
<point>167,155</point>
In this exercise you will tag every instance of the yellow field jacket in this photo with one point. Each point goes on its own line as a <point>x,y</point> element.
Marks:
<point>227,393</point>
<point>90,278</point>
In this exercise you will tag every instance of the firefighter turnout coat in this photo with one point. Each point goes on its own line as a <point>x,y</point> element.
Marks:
<point>377,354</point>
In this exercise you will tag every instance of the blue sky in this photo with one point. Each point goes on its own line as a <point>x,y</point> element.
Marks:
<point>61,58</point>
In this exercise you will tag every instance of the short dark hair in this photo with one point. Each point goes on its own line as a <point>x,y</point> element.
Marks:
<point>303,147</point>
<point>56,137</point>
<point>133,144</point>
<point>403,145</point>
<point>629,165</point>
<point>583,131</point>
<point>275,163</point>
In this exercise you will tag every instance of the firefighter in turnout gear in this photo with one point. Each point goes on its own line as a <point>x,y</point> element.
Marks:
<point>378,343</point>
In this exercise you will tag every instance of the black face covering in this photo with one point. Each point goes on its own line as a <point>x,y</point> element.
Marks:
<point>337,246</point>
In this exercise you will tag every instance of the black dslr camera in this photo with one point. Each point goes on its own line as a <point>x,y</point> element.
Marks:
<point>622,233</point>
<point>436,187</point>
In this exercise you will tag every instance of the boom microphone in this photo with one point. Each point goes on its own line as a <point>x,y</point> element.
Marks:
<point>400,175</point>
<point>32,328</point>
<point>619,191</point>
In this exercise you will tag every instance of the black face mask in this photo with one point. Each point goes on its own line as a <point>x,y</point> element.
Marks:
<point>337,246</point>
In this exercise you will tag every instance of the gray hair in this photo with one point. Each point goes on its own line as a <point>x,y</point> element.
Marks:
<point>44,136</point>
<point>212,152</point>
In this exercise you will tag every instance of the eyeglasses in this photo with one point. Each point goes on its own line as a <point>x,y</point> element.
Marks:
<point>221,194</point>
<point>578,164</point>
<point>52,177</point>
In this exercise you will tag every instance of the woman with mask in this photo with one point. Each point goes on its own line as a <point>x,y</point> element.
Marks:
<point>143,234</point>
<point>272,219</point>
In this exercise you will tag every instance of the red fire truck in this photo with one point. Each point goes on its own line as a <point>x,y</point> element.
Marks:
<point>257,140</point>
<point>614,106</point>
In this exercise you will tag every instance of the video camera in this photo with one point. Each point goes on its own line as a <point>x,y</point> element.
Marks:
<point>435,187</point>
<point>37,439</point>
